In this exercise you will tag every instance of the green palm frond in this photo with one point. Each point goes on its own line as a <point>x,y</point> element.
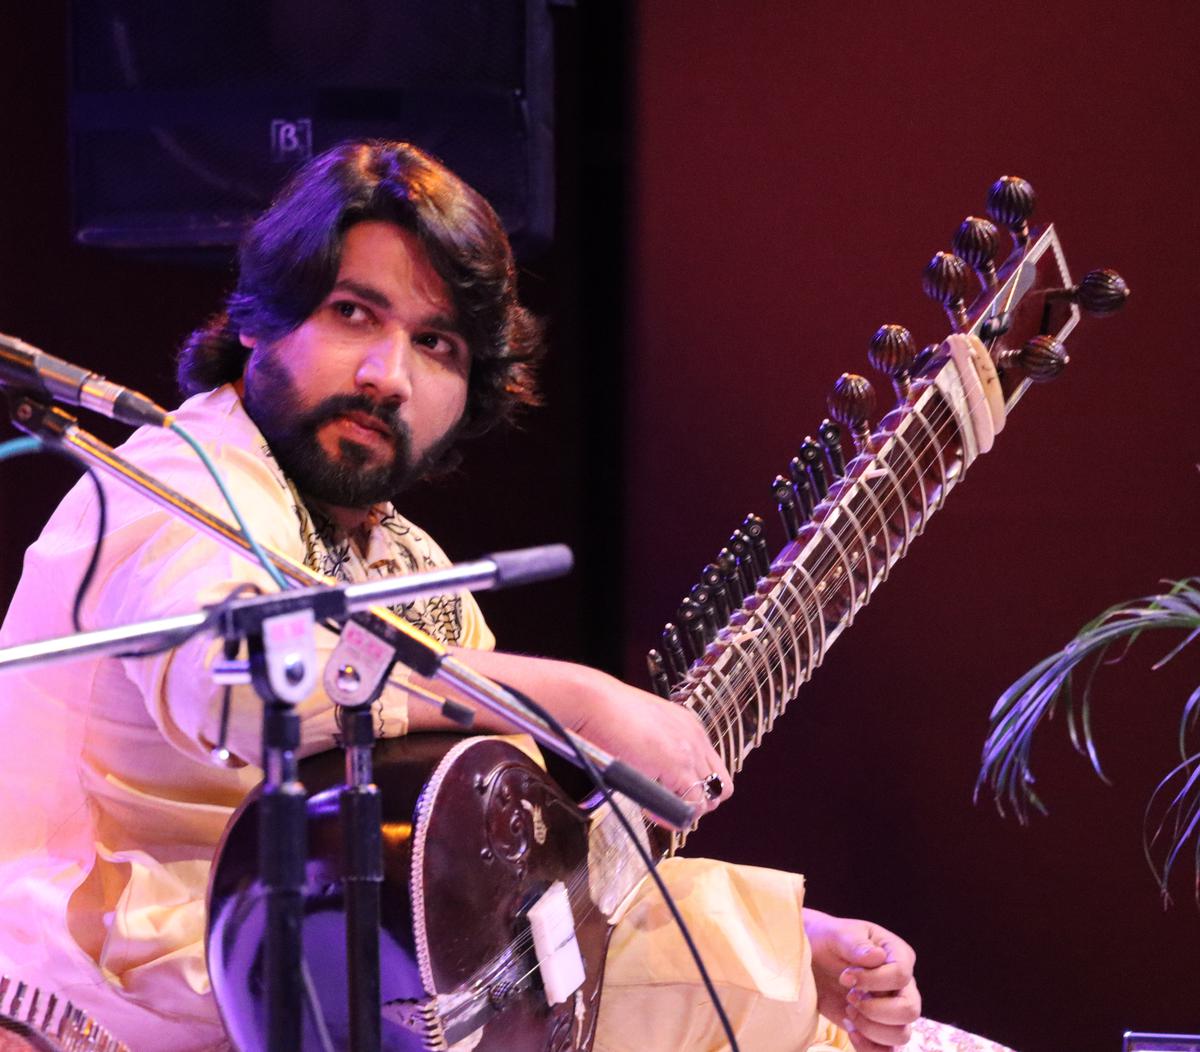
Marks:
<point>1006,773</point>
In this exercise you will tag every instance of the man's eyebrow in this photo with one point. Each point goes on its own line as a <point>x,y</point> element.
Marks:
<point>367,292</point>
<point>443,322</point>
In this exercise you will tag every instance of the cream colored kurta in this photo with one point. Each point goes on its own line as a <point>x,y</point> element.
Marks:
<point>111,808</point>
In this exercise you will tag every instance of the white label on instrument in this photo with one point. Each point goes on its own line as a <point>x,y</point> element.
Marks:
<point>558,955</point>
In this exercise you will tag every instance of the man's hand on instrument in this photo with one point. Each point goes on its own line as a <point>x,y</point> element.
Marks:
<point>864,976</point>
<point>662,739</point>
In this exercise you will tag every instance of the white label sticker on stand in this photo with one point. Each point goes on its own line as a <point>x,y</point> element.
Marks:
<point>357,665</point>
<point>291,655</point>
<point>558,955</point>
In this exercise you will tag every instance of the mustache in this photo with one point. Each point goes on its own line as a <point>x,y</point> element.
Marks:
<point>339,405</point>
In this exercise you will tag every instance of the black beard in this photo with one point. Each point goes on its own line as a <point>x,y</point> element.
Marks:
<point>272,402</point>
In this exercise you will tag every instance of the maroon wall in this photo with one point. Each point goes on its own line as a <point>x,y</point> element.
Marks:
<point>796,165</point>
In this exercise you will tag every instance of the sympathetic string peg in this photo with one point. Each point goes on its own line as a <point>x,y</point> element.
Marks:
<point>714,581</point>
<point>659,679</point>
<point>803,487</point>
<point>945,280</point>
<point>1010,203</point>
<point>1101,292</point>
<point>977,241</point>
<point>852,401</point>
<point>831,439</point>
<point>692,629</point>
<point>727,562</point>
<point>673,655</point>
<point>892,352</point>
<point>812,457</point>
<point>701,597</point>
<point>739,544</point>
<point>785,497</point>
<point>1041,359</point>
<point>756,530</point>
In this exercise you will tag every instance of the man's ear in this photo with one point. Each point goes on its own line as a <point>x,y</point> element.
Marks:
<point>247,341</point>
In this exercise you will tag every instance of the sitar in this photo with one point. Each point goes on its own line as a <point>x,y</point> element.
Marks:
<point>481,843</point>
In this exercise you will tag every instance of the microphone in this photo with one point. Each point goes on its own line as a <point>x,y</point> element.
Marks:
<point>25,368</point>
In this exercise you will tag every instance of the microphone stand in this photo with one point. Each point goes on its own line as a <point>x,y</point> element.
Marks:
<point>282,683</point>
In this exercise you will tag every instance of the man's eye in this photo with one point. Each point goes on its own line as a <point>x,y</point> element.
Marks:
<point>436,342</point>
<point>351,311</point>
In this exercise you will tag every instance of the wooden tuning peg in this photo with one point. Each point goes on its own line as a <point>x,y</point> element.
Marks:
<point>1101,292</point>
<point>892,352</point>
<point>978,242</point>
<point>1010,203</point>
<point>945,281</point>
<point>852,401</point>
<point>1041,359</point>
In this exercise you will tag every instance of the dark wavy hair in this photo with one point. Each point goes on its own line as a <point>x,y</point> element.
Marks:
<point>289,259</point>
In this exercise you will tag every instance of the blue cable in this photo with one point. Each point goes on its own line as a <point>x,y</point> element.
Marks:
<point>16,447</point>
<point>261,555</point>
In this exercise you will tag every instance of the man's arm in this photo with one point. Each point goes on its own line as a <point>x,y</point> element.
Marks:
<point>662,739</point>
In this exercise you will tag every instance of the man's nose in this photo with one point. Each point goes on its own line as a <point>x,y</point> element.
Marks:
<point>386,367</point>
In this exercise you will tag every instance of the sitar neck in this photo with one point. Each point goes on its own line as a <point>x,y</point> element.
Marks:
<point>822,578</point>
<point>741,677</point>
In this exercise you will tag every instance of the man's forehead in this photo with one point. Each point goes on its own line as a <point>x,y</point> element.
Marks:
<point>387,266</point>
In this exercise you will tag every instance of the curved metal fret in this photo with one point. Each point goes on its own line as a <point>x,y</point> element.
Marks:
<point>881,469</point>
<point>944,488</point>
<point>800,671</point>
<point>901,443</point>
<point>762,612</point>
<point>758,683</point>
<point>863,484</point>
<point>856,525</point>
<point>818,655</point>
<point>723,682</point>
<point>824,530</point>
<point>723,725</point>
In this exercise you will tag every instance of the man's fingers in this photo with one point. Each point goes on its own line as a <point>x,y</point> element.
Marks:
<point>874,1034</point>
<point>894,1010</point>
<point>863,1042</point>
<point>898,951</point>
<point>887,978</point>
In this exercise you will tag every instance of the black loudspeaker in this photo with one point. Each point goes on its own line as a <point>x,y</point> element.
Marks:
<point>187,115</point>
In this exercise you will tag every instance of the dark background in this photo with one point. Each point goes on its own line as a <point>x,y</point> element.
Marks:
<point>745,191</point>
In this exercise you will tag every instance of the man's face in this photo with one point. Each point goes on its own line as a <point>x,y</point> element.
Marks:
<point>358,400</point>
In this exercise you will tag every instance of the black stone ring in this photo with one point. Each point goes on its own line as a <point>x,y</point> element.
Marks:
<point>712,786</point>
